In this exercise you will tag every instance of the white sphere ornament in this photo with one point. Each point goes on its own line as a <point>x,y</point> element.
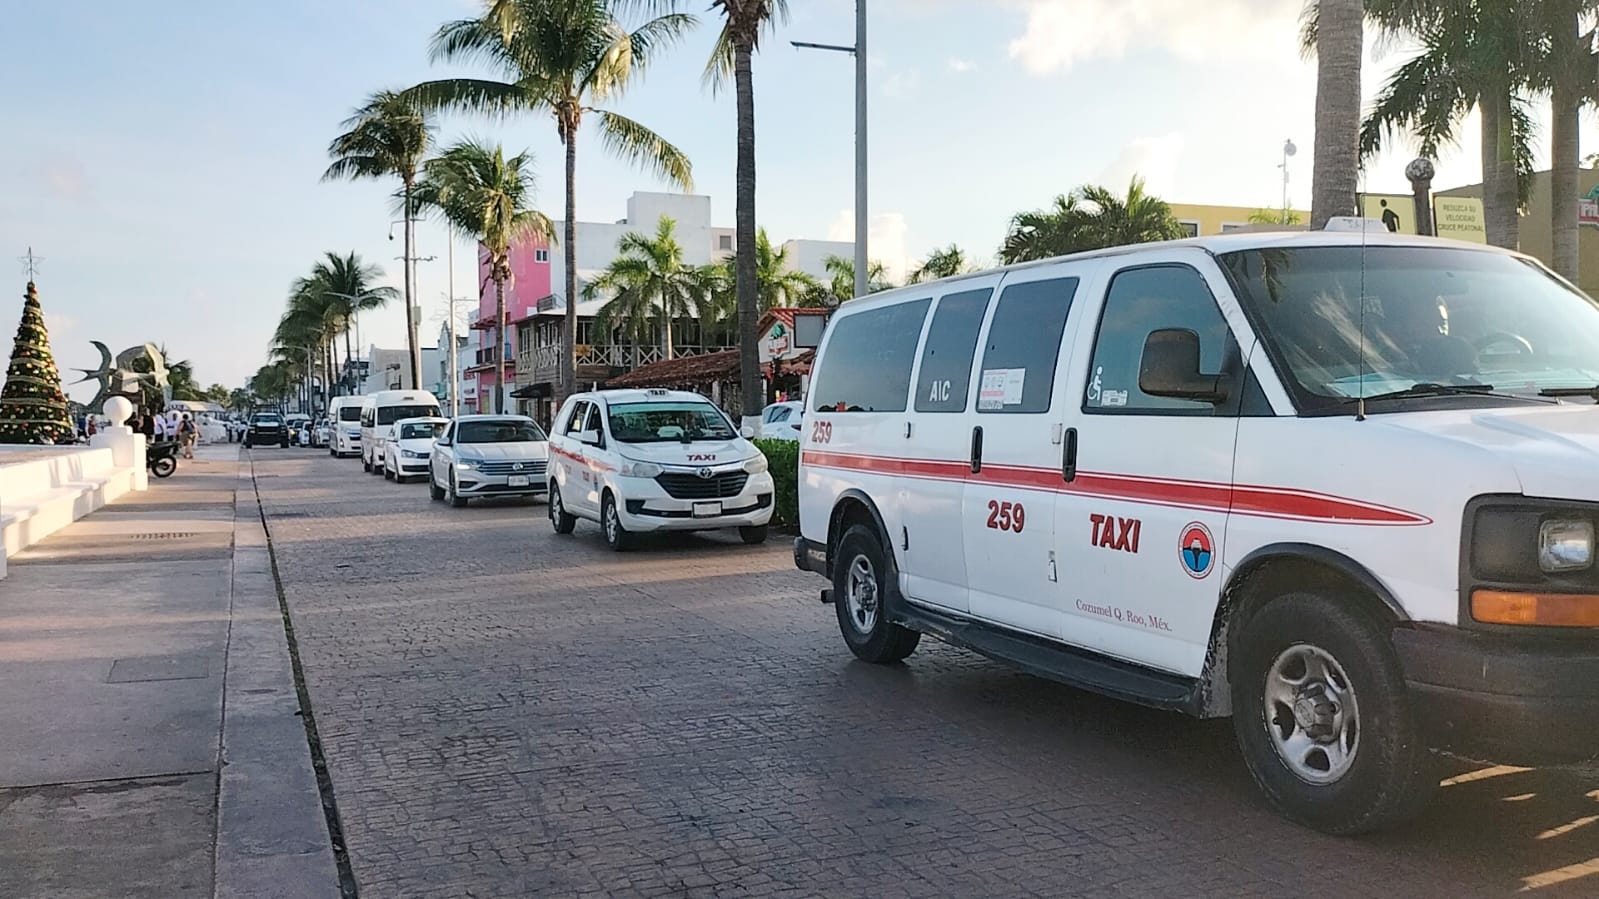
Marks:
<point>119,410</point>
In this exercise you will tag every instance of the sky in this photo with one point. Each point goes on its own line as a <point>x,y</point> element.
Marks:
<point>167,167</point>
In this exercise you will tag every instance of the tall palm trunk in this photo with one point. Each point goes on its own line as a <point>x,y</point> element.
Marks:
<point>666,327</point>
<point>1336,172</point>
<point>348,355</point>
<point>744,273</point>
<point>499,337</point>
<point>569,253</point>
<point>1500,199</point>
<point>1565,147</point>
<point>410,252</point>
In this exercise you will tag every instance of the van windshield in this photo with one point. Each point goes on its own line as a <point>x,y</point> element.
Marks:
<point>350,413</point>
<point>388,415</point>
<point>1352,321</point>
<point>663,422</point>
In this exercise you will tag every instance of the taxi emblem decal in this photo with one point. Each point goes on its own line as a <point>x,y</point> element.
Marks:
<point>1196,549</point>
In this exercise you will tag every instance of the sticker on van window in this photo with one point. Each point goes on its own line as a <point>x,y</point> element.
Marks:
<point>1001,387</point>
<point>1114,398</point>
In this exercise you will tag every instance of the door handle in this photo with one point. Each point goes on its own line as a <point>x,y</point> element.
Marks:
<point>1068,456</point>
<point>977,449</point>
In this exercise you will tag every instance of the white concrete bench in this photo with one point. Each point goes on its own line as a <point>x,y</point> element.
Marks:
<point>41,496</point>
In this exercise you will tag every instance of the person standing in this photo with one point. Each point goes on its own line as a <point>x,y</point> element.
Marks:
<point>188,435</point>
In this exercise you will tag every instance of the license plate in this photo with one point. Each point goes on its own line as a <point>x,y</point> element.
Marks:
<point>517,480</point>
<point>707,510</point>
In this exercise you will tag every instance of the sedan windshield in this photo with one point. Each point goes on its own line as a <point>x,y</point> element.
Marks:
<point>1352,321</point>
<point>662,422</point>
<point>421,430</point>
<point>510,431</point>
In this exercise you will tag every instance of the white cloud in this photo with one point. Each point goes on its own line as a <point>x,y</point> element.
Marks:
<point>885,238</point>
<point>1061,33</point>
<point>902,83</point>
<point>962,66</point>
<point>1155,159</point>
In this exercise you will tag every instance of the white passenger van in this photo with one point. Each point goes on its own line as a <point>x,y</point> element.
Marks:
<point>640,461</point>
<point>381,410</point>
<point>1342,487</point>
<point>344,426</point>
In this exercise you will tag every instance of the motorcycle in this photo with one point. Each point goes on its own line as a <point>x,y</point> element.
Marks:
<point>162,458</point>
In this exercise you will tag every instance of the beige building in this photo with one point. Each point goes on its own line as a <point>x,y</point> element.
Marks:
<point>1535,236</point>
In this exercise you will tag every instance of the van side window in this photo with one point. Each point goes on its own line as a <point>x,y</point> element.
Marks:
<point>1139,301</point>
<point>1018,373</point>
<point>946,372</point>
<point>867,365</point>
<point>579,414</point>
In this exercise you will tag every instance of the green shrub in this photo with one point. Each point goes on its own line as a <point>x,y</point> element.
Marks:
<point>783,457</point>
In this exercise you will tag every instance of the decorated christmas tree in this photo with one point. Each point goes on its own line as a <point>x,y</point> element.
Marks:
<point>32,407</point>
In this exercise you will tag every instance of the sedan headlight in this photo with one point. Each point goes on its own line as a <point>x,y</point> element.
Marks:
<point>755,464</point>
<point>632,468</point>
<point>412,454</point>
<point>465,464</point>
<point>1565,545</point>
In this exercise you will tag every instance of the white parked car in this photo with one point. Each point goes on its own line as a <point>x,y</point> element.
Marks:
<point>782,421</point>
<point>638,461</point>
<point>382,409</point>
<point>1338,486</point>
<point>487,456</point>
<point>409,445</point>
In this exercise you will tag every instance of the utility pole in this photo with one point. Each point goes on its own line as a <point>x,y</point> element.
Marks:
<point>859,51</point>
<point>455,378</point>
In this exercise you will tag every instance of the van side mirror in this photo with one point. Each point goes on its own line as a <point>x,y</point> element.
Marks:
<point>1170,368</point>
<point>591,438</point>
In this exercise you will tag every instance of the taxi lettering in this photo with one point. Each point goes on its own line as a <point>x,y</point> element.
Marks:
<point>1111,532</point>
<point>702,457</point>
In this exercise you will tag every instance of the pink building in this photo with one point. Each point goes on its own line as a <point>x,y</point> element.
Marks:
<point>530,282</point>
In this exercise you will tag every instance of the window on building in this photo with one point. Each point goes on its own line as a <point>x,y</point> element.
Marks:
<point>946,372</point>
<point>867,364</point>
<point>541,254</point>
<point>1142,300</point>
<point>724,242</point>
<point>1018,373</point>
<point>1190,228</point>
<point>1227,227</point>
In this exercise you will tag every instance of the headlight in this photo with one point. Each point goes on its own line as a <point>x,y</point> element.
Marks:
<point>409,454</point>
<point>465,464</point>
<point>755,465</point>
<point>1565,545</point>
<point>634,469</point>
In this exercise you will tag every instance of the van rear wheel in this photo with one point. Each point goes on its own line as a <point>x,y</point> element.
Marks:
<point>1322,715</point>
<point>862,585</point>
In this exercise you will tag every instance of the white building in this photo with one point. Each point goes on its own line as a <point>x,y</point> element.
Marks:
<point>443,383</point>
<point>810,256</point>
<point>391,369</point>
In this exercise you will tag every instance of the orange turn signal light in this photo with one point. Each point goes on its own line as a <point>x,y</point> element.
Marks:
<point>1543,609</point>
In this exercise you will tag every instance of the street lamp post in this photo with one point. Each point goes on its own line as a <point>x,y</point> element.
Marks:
<point>1288,150</point>
<point>859,52</point>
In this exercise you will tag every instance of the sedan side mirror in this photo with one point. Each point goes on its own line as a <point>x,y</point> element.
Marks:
<point>1170,368</point>
<point>747,432</point>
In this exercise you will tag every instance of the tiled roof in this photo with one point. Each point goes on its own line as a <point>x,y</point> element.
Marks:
<point>682,371</point>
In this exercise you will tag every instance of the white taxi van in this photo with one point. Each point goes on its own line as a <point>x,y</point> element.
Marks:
<point>1342,487</point>
<point>344,426</point>
<point>379,412</point>
<point>640,461</point>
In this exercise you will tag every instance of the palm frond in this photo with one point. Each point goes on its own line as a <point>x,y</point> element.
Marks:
<point>638,144</point>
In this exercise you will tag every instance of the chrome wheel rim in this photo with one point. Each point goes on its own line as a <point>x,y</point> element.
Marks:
<point>860,594</point>
<point>1311,714</point>
<point>555,505</point>
<point>612,525</point>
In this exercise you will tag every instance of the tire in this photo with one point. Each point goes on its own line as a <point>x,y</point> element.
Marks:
<point>861,563</point>
<point>434,490</point>
<point>754,535</point>
<point>163,468</point>
<point>248,444</point>
<point>455,499</point>
<point>561,520</point>
<point>365,465</point>
<point>616,536</point>
<point>1369,768</point>
<point>387,474</point>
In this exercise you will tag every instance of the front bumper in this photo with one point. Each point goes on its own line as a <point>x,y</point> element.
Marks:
<point>475,483</point>
<point>1509,699</point>
<point>647,507</point>
<point>811,556</point>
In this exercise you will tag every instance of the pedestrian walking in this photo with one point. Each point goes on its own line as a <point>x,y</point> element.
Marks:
<point>188,434</point>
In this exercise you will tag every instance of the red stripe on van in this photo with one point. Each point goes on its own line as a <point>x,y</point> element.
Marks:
<point>1256,501</point>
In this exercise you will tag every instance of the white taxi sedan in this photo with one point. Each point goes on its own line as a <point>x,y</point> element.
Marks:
<point>639,461</point>
<point>408,446</point>
<point>487,456</point>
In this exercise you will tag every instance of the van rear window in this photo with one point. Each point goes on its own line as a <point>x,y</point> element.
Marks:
<point>867,363</point>
<point>388,415</point>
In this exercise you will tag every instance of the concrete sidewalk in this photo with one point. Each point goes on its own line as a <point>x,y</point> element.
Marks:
<point>151,743</point>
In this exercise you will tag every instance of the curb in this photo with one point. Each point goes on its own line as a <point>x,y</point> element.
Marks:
<point>272,834</point>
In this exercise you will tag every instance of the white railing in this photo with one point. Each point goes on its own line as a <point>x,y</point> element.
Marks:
<point>612,355</point>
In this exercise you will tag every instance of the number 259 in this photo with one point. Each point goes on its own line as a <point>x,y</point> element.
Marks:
<point>1006,516</point>
<point>821,432</point>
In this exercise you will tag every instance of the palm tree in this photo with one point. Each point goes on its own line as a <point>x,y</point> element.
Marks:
<point>945,263</point>
<point>648,280</point>
<point>1566,71</point>
<point>1090,218</point>
<point>1335,33</point>
<point>388,136</point>
<point>562,57</point>
<point>840,285</point>
<point>348,287</point>
<point>744,23</point>
<point>306,331</point>
<point>776,284</point>
<point>481,192</point>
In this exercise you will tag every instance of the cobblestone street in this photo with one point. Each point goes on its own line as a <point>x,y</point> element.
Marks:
<point>505,712</point>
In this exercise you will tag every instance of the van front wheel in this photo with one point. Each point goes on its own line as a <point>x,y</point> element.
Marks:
<point>1322,715</point>
<point>861,584</point>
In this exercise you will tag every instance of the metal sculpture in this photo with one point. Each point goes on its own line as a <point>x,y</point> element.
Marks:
<point>118,377</point>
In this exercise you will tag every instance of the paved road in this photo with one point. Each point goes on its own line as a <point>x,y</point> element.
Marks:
<point>509,713</point>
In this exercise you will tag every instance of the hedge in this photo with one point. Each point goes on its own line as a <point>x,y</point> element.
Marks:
<point>783,457</point>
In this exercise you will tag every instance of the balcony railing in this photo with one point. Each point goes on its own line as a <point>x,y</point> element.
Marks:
<point>488,356</point>
<point>547,359</point>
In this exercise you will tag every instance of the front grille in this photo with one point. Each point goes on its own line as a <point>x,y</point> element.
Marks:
<point>500,469</point>
<point>692,486</point>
